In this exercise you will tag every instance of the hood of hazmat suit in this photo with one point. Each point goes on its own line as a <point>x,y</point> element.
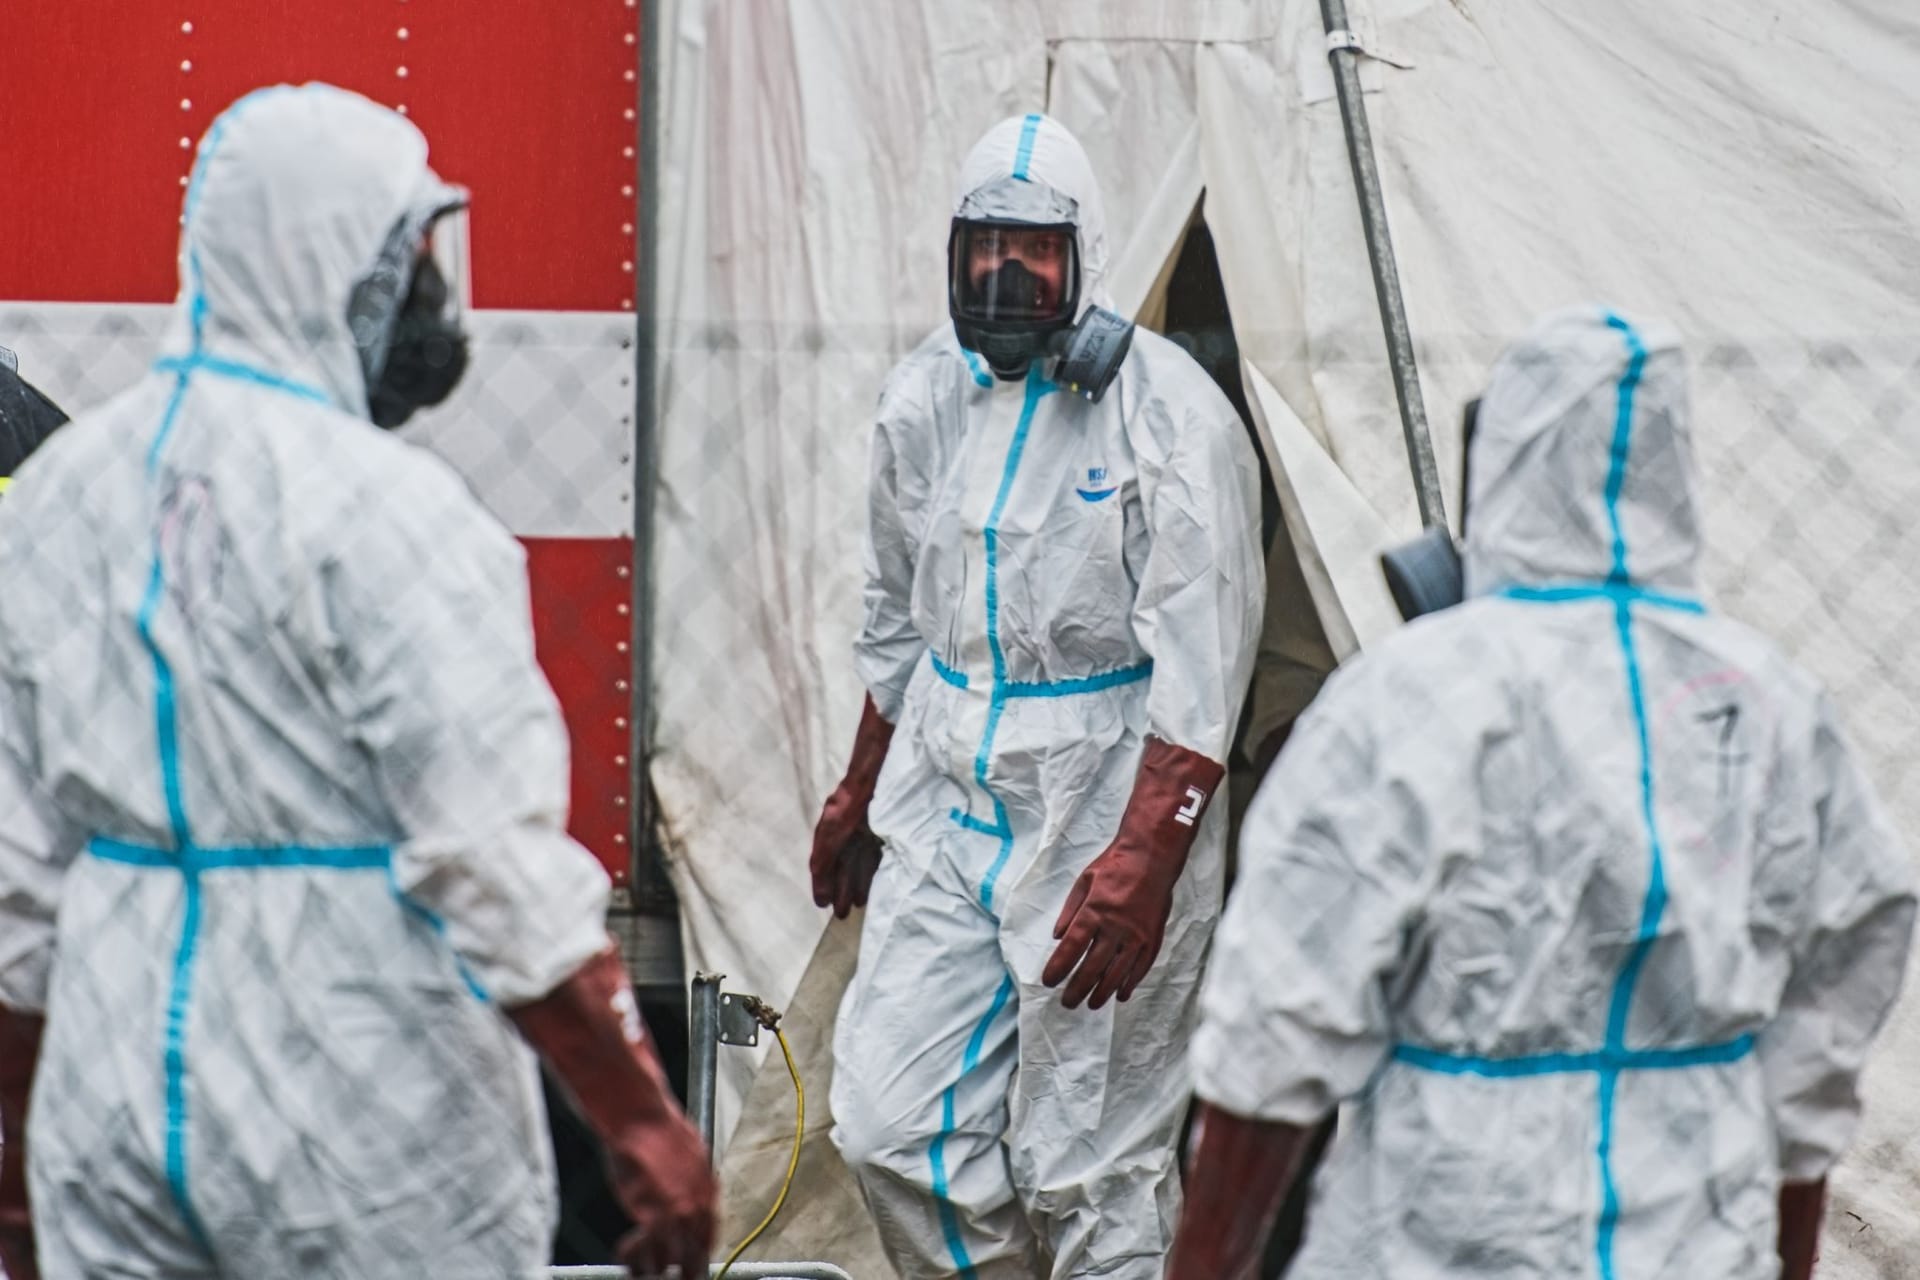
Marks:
<point>1574,892</point>
<point>1039,151</point>
<point>1026,261</point>
<point>1049,581</point>
<point>283,792</point>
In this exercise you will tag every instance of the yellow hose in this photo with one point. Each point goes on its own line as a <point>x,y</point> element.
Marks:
<point>793,1162</point>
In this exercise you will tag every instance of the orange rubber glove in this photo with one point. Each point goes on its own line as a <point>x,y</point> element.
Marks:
<point>846,853</point>
<point>589,1033</point>
<point>1802,1204</point>
<point>1238,1176</point>
<point>20,1035</point>
<point>1116,917</point>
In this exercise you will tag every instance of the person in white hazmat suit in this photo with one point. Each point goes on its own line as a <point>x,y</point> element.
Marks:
<point>285,889</point>
<point>1064,595</point>
<point>1573,892</point>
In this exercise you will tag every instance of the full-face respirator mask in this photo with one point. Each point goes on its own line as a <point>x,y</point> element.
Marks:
<point>1425,575</point>
<point>1014,280</point>
<point>407,314</point>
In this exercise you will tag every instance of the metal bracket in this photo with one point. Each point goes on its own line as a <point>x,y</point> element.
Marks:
<point>1347,40</point>
<point>715,1019</point>
<point>738,1025</point>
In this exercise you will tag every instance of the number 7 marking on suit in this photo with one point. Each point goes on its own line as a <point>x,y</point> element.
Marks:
<point>1729,717</point>
<point>1196,800</point>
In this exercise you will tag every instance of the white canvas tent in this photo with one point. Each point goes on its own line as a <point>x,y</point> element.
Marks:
<point>1739,167</point>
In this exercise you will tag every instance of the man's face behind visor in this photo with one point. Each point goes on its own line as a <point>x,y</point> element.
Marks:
<point>1013,272</point>
<point>1019,271</point>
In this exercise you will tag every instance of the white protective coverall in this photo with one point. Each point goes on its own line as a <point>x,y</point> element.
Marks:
<point>1574,892</point>
<point>1048,581</point>
<point>282,793</point>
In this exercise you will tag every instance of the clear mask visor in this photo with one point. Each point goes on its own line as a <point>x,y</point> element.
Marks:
<point>1014,273</point>
<point>423,263</point>
<point>447,242</point>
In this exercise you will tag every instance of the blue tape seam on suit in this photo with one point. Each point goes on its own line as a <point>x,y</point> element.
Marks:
<point>1614,1058</point>
<point>1037,388</point>
<point>186,858</point>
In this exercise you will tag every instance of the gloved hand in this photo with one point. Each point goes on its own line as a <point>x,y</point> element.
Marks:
<point>19,1054</point>
<point>846,853</point>
<point>1801,1207</point>
<point>588,1030</point>
<point>1238,1175</point>
<point>1116,916</point>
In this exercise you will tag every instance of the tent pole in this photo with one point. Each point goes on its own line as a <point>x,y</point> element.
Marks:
<point>1343,51</point>
<point>645,444</point>
<point>703,1054</point>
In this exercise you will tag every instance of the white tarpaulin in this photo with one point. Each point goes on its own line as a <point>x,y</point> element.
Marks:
<point>1738,167</point>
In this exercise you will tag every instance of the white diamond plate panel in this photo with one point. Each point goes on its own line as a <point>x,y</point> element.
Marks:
<point>541,427</point>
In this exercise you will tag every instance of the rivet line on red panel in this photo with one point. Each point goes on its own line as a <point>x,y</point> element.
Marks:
<point>186,139</point>
<point>402,35</point>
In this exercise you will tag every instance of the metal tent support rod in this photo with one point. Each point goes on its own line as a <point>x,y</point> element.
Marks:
<point>1343,51</point>
<point>703,1033</point>
<point>646,307</point>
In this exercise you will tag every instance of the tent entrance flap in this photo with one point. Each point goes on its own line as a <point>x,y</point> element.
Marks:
<point>1195,315</point>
